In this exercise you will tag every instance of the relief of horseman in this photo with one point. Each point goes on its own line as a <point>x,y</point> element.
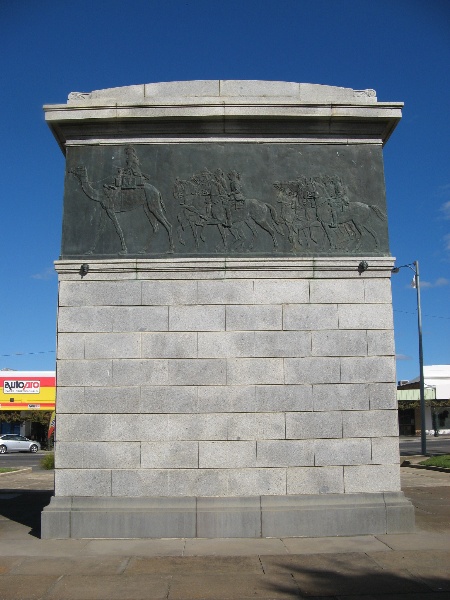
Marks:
<point>307,216</point>
<point>220,209</point>
<point>218,197</point>
<point>179,189</point>
<point>288,201</point>
<point>311,227</point>
<point>236,194</point>
<point>337,212</point>
<point>248,212</point>
<point>298,211</point>
<point>194,206</point>
<point>334,195</point>
<point>339,201</point>
<point>203,203</point>
<point>217,209</point>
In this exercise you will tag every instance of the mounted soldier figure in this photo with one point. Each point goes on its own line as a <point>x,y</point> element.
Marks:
<point>130,177</point>
<point>131,190</point>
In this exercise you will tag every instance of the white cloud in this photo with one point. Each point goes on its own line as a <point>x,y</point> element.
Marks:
<point>443,191</point>
<point>440,281</point>
<point>447,241</point>
<point>445,208</point>
<point>47,274</point>
<point>402,357</point>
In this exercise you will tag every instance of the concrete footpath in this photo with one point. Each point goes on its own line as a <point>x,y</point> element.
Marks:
<point>408,566</point>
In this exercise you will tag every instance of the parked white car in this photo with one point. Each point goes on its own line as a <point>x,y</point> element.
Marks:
<point>10,442</point>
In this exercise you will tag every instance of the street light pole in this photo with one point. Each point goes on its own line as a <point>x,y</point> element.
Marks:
<point>423,434</point>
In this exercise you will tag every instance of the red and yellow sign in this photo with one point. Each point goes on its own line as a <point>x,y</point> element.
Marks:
<point>27,390</point>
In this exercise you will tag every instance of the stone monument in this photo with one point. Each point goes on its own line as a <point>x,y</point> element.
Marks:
<point>225,362</point>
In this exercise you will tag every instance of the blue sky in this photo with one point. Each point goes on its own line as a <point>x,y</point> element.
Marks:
<point>400,48</point>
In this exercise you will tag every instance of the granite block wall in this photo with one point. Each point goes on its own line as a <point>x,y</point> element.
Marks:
<point>256,380</point>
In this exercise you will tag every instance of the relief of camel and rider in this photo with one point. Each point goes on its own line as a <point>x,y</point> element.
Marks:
<point>213,211</point>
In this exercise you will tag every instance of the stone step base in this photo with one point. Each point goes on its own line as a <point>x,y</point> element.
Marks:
<point>238,517</point>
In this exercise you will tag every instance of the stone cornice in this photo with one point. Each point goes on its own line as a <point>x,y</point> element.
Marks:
<point>229,108</point>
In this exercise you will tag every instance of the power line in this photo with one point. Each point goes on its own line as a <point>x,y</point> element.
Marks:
<point>405,312</point>
<point>28,353</point>
<point>415,313</point>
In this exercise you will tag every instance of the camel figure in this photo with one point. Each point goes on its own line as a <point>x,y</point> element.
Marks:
<point>113,201</point>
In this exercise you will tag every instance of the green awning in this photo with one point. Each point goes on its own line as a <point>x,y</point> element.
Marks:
<point>430,394</point>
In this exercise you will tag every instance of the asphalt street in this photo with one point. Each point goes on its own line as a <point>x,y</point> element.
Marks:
<point>19,460</point>
<point>411,446</point>
<point>408,447</point>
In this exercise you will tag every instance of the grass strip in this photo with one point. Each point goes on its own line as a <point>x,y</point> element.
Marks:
<point>437,461</point>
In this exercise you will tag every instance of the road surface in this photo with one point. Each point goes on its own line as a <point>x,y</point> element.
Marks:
<point>435,445</point>
<point>21,459</point>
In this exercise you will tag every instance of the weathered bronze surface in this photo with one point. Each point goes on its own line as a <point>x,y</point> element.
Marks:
<point>213,199</point>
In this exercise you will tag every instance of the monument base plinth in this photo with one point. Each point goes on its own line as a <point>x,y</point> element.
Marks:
<point>226,356</point>
<point>241,517</point>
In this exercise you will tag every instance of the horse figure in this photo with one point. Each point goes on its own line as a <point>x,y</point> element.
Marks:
<point>300,219</point>
<point>255,212</point>
<point>355,215</point>
<point>197,216</point>
<point>114,200</point>
<point>308,224</point>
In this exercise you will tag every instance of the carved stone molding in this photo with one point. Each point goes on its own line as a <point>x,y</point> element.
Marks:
<point>361,93</point>
<point>79,96</point>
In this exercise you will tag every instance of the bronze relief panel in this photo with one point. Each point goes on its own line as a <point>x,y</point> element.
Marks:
<point>213,199</point>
